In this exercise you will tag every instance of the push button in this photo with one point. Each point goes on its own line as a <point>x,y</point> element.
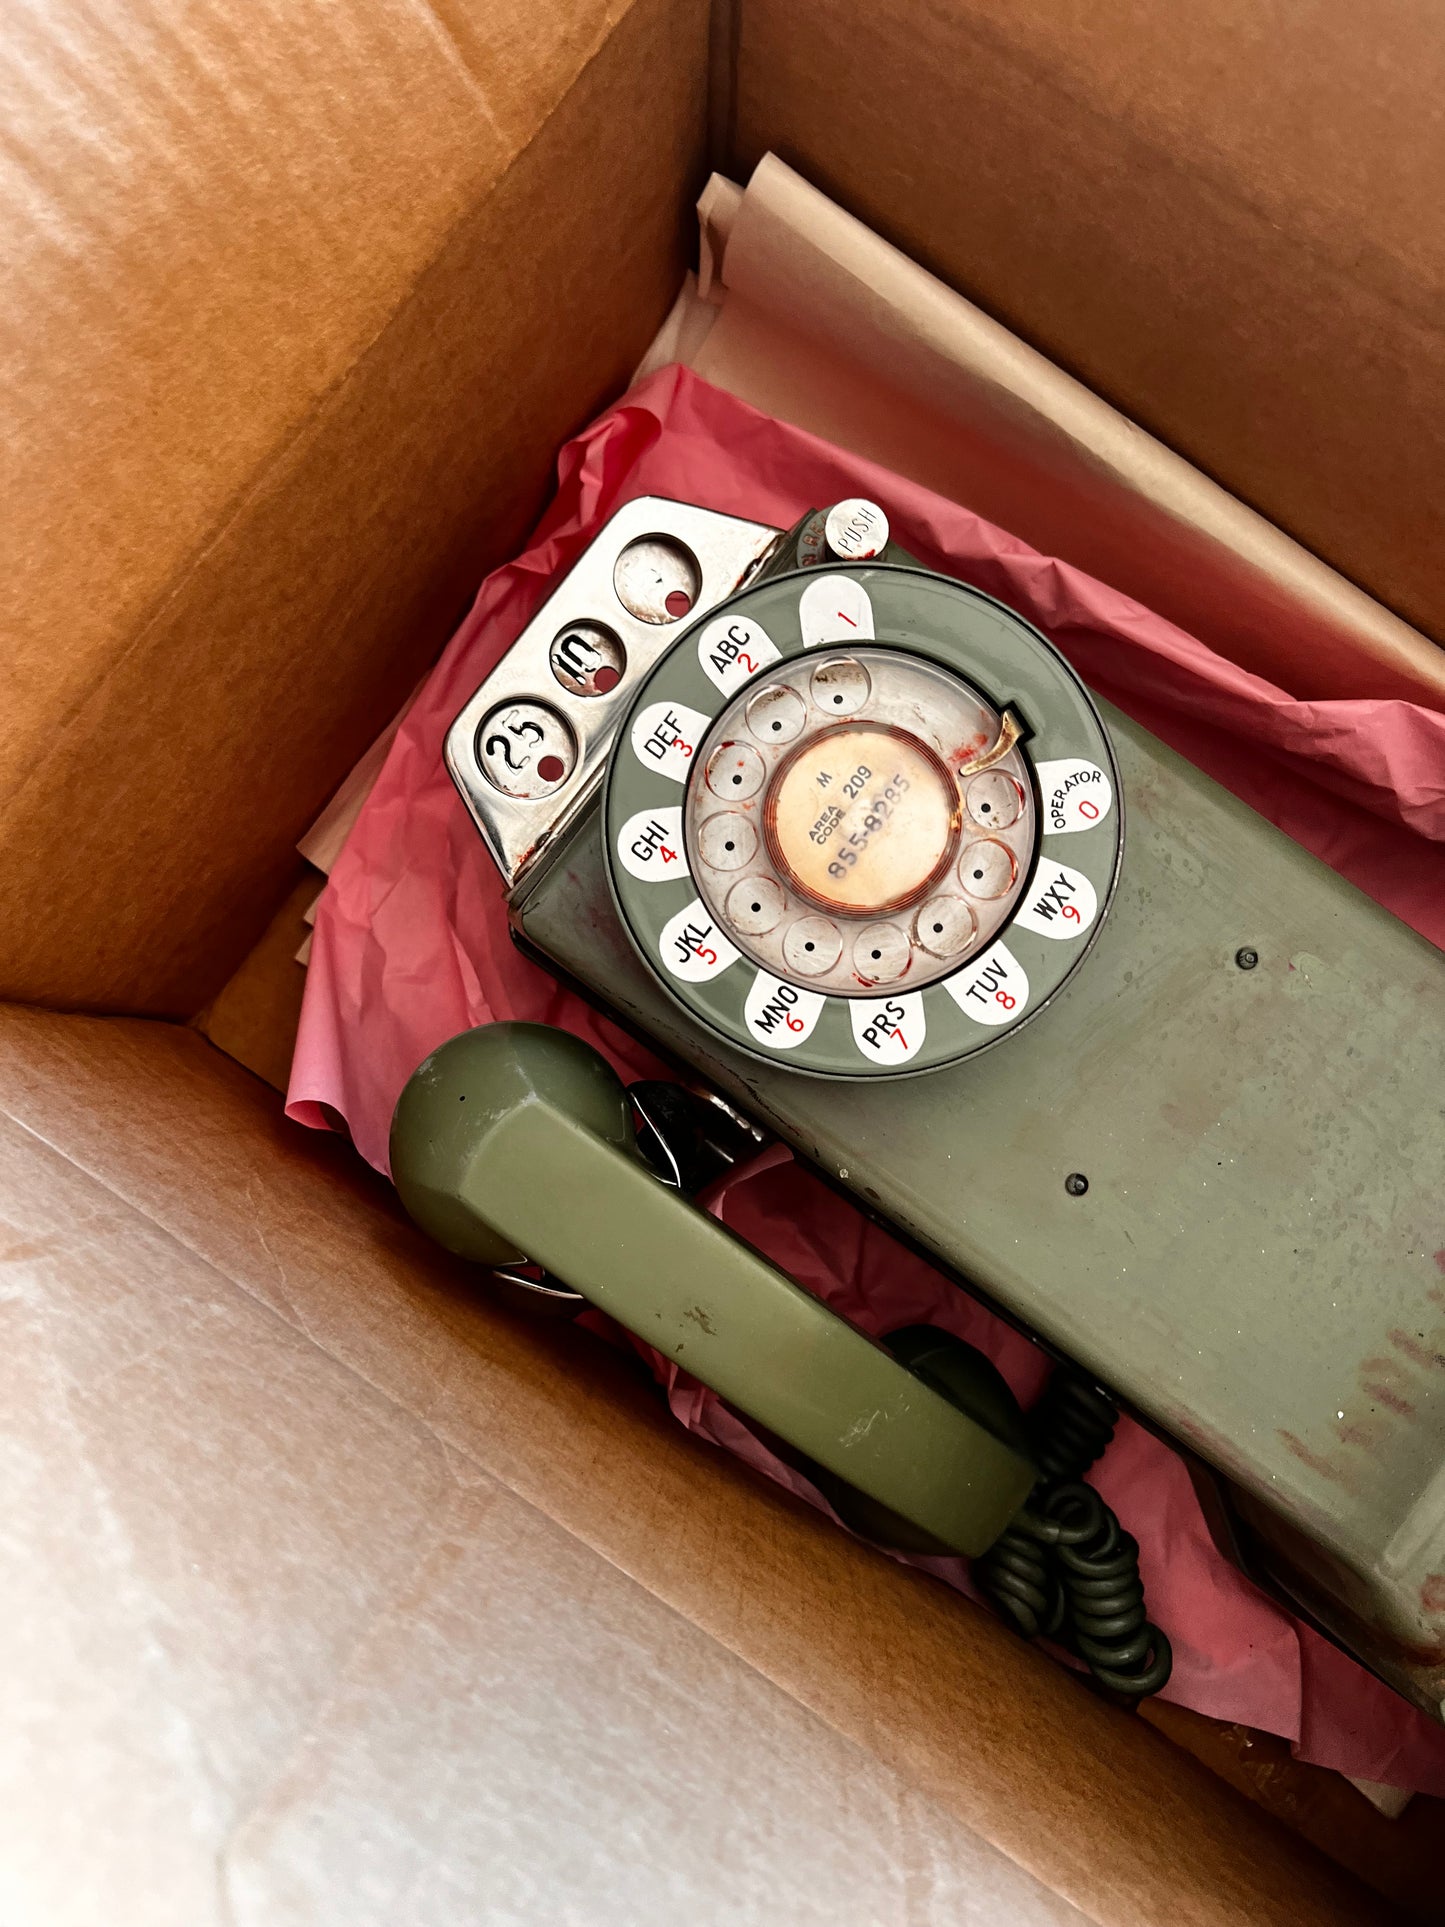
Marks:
<point>856,530</point>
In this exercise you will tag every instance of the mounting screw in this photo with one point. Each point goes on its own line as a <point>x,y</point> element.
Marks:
<point>1076,1184</point>
<point>1246,958</point>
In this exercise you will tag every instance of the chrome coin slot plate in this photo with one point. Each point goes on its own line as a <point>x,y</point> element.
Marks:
<point>552,705</point>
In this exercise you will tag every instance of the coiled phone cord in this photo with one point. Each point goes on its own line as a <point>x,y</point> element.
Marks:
<point>1066,1569</point>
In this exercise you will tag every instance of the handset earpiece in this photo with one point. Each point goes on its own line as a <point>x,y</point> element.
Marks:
<point>516,1138</point>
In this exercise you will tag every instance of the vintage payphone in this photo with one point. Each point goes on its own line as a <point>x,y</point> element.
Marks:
<point>846,839</point>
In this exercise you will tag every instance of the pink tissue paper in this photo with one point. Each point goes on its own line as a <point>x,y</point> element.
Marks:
<point>411,946</point>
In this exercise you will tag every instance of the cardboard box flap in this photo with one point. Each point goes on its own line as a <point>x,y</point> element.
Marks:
<point>271,290</point>
<point>215,223</point>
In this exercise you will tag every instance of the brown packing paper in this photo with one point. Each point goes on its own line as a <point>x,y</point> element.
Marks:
<point>826,325</point>
<point>254,1016</point>
<point>393,1606</point>
<point>1223,218</point>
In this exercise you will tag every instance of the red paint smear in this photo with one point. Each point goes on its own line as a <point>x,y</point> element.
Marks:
<point>1367,1437</point>
<point>1384,1396</point>
<point>1432,1593</point>
<point>1412,1348</point>
<point>967,751</point>
<point>1336,1474</point>
<point>1440,1257</point>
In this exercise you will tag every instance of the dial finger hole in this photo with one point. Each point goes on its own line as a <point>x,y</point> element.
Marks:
<point>811,946</point>
<point>735,772</point>
<point>944,926</point>
<point>777,715</point>
<point>880,953</point>
<point>755,906</point>
<point>994,800</point>
<point>840,687</point>
<point>987,869</point>
<point>727,841</point>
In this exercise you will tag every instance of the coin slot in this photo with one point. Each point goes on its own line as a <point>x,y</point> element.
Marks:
<point>657,579</point>
<point>588,659</point>
<point>525,750</point>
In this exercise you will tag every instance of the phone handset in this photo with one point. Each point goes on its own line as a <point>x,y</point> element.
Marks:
<point>517,1138</point>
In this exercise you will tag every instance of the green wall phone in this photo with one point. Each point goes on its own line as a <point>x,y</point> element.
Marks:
<point>847,839</point>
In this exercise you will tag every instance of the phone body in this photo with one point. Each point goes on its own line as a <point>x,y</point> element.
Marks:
<point>1209,1167</point>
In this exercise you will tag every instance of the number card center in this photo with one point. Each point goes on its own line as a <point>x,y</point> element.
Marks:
<point>862,819</point>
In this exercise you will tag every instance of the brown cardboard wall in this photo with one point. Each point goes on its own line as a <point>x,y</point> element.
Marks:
<point>393,1605</point>
<point>1223,218</point>
<point>299,353</point>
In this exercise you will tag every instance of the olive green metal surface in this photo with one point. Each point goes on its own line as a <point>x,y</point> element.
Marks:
<point>1256,1264</point>
<point>517,1137</point>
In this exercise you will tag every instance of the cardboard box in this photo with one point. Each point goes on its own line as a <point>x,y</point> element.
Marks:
<point>334,1591</point>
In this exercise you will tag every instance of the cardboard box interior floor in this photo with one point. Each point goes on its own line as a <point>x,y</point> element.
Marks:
<point>286,397</point>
